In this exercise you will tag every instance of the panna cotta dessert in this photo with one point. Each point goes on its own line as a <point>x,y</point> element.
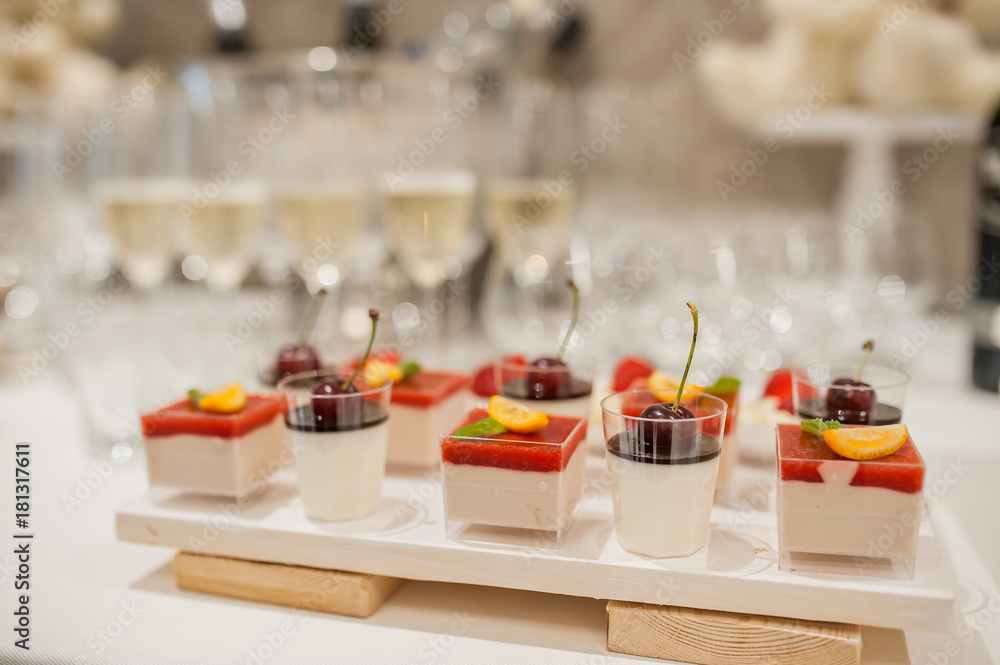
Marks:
<point>851,491</point>
<point>664,458</point>
<point>224,443</point>
<point>338,427</point>
<point>866,395</point>
<point>513,467</point>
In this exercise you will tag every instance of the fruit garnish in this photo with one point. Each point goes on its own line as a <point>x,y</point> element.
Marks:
<point>780,384</point>
<point>329,410</point>
<point>484,427</point>
<point>852,401</point>
<point>628,370</point>
<point>484,384</point>
<point>230,399</point>
<point>665,386</point>
<point>547,378</point>
<point>377,370</point>
<point>409,368</point>
<point>817,425</point>
<point>724,386</point>
<point>515,416</point>
<point>866,443</point>
<point>670,429</point>
<point>300,357</point>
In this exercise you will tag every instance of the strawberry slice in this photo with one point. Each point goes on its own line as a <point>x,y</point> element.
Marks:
<point>484,384</point>
<point>780,384</point>
<point>629,369</point>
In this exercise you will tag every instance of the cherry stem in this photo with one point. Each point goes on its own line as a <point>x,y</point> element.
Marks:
<point>867,348</point>
<point>573,319</point>
<point>373,314</point>
<point>687,368</point>
<point>311,316</point>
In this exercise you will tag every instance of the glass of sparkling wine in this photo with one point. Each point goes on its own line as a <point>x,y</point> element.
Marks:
<point>138,183</point>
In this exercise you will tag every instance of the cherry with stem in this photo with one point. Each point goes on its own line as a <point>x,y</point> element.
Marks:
<point>669,430</point>
<point>551,378</point>
<point>852,401</point>
<point>300,357</point>
<point>331,412</point>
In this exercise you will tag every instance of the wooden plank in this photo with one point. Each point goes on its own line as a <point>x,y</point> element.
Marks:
<point>736,571</point>
<point>334,591</point>
<point>708,637</point>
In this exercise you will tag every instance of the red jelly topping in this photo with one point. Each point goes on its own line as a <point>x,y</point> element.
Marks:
<point>183,418</point>
<point>800,454</point>
<point>548,449</point>
<point>427,387</point>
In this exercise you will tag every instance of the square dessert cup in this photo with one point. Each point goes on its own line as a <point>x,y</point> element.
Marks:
<point>423,406</point>
<point>862,516</point>
<point>729,458</point>
<point>878,403</point>
<point>664,471</point>
<point>560,390</point>
<point>339,442</point>
<point>513,488</point>
<point>216,453</point>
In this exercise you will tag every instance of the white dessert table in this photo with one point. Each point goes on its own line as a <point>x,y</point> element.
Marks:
<point>98,600</point>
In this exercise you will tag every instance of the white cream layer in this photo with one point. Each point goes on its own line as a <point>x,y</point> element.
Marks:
<point>510,498</point>
<point>662,509</point>
<point>215,465</point>
<point>415,431</point>
<point>340,473</point>
<point>833,517</point>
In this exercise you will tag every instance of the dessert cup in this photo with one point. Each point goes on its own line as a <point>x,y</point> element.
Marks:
<point>560,391</point>
<point>663,494</point>
<point>339,442</point>
<point>226,454</point>
<point>828,504</point>
<point>881,401</point>
<point>423,406</point>
<point>515,481</point>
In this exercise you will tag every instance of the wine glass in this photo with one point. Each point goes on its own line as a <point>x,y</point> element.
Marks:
<point>138,181</point>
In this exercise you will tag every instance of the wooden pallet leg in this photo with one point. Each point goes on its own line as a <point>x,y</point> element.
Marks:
<point>338,592</point>
<point>723,638</point>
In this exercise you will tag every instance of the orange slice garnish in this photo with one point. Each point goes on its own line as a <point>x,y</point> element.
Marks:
<point>866,443</point>
<point>665,386</point>
<point>515,416</point>
<point>230,399</point>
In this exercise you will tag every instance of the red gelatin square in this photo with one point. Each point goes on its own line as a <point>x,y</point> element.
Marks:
<point>429,387</point>
<point>801,453</point>
<point>183,418</point>
<point>548,449</point>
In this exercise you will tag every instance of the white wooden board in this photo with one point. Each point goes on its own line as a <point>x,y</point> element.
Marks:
<point>737,571</point>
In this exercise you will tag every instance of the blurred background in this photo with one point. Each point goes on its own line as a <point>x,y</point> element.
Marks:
<point>178,179</point>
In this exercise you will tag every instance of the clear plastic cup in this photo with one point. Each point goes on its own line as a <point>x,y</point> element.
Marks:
<point>664,471</point>
<point>562,390</point>
<point>880,402</point>
<point>339,442</point>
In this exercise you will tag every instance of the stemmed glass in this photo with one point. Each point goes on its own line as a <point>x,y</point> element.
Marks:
<point>530,203</point>
<point>429,184</point>
<point>137,173</point>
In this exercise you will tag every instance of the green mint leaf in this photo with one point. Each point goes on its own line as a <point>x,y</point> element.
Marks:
<point>410,368</point>
<point>194,396</point>
<point>725,385</point>
<point>817,425</point>
<point>484,427</point>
